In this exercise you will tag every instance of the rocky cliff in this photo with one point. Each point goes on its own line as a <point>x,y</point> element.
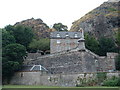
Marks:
<point>102,21</point>
<point>40,29</point>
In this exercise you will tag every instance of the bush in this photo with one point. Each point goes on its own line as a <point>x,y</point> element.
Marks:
<point>42,45</point>
<point>112,82</point>
<point>101,76</point>
<point>117,62</point>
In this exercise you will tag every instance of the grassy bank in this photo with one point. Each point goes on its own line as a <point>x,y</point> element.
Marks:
<point>30,86</point>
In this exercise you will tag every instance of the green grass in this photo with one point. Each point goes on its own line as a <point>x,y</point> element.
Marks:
<point>30,86</point>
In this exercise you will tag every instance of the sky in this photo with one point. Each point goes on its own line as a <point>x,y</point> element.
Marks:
<point>50,11</point>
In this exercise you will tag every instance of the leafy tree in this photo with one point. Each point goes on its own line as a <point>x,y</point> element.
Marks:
<point>100,47</point>
<point>118,44</point>
<point>15,40</point>
<point>60,27</point>
<point>117,62</point>
<point>8,69</point>
<point>12,58</point>
<point>23,35</point>
<point>33,46</point>
<point>106,45</point>
<point>14,52</point>
<point>42,44</point>
<point>10,29</point>
<point>7,38</point>
<point>91,43</point>
<point>118,39</point>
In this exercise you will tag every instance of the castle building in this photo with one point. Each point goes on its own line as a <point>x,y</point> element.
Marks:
<point>66,41</point>
<point>74,62</point>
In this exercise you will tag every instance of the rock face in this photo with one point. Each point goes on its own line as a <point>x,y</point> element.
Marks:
<point>40,29</point>
<point>102,21</point>
<point>113,0</point>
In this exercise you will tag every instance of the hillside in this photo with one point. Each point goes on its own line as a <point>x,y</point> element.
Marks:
<point>40,29</point>
<point>102,21</point>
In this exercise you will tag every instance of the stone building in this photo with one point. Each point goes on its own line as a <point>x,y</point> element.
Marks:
<point>69,55</point>
<point>66,41</point>
<point>69,59</point>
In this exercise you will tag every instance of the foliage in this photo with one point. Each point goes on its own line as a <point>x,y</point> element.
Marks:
<point>91,43</point>
<point>101,76</point>
<point>14,52</point>
<point>117,62</point>
<point>8,68</point>
<point>42,44</point>
<point>106,45</point>
<point>10,29</point>
<point>23,35</point>
<point>60,27</point>
<point>12,58</point>
<point>7,38</point>
<point>114,81</point>
<point>118,39</point>
<point>81,82</point>
<point>101,46</point>
<point>112,9</point>
<point>15,40</point>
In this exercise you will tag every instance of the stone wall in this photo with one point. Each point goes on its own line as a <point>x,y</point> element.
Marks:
<point>38,78</point>
<point>66,68</point>
<point>58,45</point>
<point>74,62</point>
<point>32,56</point>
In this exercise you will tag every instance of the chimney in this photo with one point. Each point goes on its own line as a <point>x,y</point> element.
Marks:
<point>81,41</point>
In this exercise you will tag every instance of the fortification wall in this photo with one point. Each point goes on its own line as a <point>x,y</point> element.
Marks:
<point>38,78</point>
<point>74,62</point>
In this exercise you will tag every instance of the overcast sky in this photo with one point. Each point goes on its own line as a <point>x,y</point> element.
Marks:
<point>50,11</point>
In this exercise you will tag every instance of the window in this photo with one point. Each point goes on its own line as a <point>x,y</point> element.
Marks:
<point>58,35</point>
<point>67,35</point>
<point>76,35</point>
<point>58,41</point>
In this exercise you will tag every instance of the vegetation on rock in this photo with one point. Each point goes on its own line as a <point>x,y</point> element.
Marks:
<point>60,27</point>
<point>103,21</point>
<point>39,28</point>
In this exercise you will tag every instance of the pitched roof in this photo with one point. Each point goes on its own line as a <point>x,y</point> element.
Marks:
<point>63,35</point>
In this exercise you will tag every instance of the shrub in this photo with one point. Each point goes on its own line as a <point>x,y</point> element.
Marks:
<point>117,62</point>
<point>101,76</point>
<point>114,81</point>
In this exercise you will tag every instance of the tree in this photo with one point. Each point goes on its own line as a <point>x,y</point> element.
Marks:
<point>12,59</point>
<point>91,43</point>
<point>23,35</point>
<point>118,39</point>
<point>118,44</point>
<point>10,29</point>
<point>14,52</point>
<point>100,47</point>
<point>106,45</point>
<point>7,38</point>
<point>117,62</point>
<point>42,45</point>
<point>60,27</point>
<point>8,69</point>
